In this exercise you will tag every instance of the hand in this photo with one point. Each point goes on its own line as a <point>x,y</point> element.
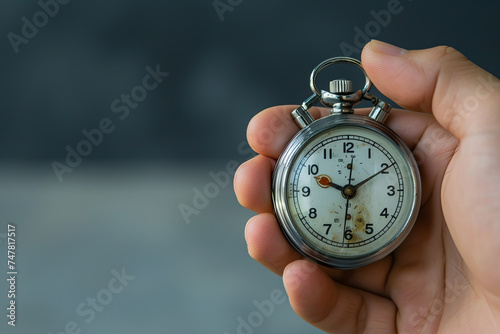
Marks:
<point>371,177</point>
<point>324,181</point>
<point>445,276</point>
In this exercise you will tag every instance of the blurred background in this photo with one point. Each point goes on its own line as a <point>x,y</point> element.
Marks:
<point>122,125</point>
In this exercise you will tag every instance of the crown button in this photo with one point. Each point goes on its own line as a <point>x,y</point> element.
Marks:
<point>341,86</point>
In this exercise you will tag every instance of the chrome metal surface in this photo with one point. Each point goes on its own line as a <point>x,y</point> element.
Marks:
<point>380,112</point>
<point>281,180</point>
<point>341,86</point>
<point>339,97</point>
<point>344,106</point>
<point>301,116</point>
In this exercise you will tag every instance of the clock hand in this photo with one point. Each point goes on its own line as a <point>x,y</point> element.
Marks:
<point>345,220</point>
<point>347,203</point>
<point>350,170</point>
<point>371,177</point>
<point>324,181</point>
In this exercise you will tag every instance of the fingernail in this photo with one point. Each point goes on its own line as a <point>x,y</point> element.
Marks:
<point>388,49</point>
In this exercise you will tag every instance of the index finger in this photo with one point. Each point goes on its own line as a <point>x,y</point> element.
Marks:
<point>270,130</point>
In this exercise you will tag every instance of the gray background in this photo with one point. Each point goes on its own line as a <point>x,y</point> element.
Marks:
<point>120,207</point>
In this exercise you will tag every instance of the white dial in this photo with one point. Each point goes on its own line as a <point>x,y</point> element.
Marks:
<point>350,193</point>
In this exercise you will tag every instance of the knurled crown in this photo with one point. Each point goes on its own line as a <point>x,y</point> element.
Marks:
<point>341,86</point>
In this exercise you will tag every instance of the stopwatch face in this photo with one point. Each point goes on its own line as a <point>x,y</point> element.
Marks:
<point>346,191</point>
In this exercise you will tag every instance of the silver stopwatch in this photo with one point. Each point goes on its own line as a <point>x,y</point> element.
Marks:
<point>346,190</point>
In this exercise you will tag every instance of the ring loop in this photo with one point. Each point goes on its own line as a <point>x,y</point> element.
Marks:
<point>331,61</point>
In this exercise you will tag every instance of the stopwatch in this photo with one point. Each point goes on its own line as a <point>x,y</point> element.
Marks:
<point>346,190</point>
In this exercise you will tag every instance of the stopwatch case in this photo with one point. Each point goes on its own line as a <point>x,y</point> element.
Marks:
<point>281,175</point>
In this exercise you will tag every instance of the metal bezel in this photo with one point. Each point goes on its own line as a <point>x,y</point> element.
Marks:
<point>282,173</point>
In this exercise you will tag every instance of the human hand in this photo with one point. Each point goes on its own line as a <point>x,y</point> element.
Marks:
<point>444,277</point>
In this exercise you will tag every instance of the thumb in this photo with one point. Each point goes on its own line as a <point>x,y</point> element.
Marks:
<point>464,98</point>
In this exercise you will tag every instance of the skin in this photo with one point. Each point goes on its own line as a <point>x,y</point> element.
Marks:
<point>444,278</point>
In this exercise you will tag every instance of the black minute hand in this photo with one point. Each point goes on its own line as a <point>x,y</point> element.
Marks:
<point>371,177</point>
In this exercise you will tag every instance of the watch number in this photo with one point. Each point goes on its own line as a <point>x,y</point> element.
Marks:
<point>384,165</point>
<point>306,191</point>
<point>312,169</point>
<point>328,227</point>
<point>391,191</point>
<point>348,147</point>
<point>384,213</point>
<point>369,228</point>
<point>328,153</point>
<point>312,213</point>
<point>348,235</point>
